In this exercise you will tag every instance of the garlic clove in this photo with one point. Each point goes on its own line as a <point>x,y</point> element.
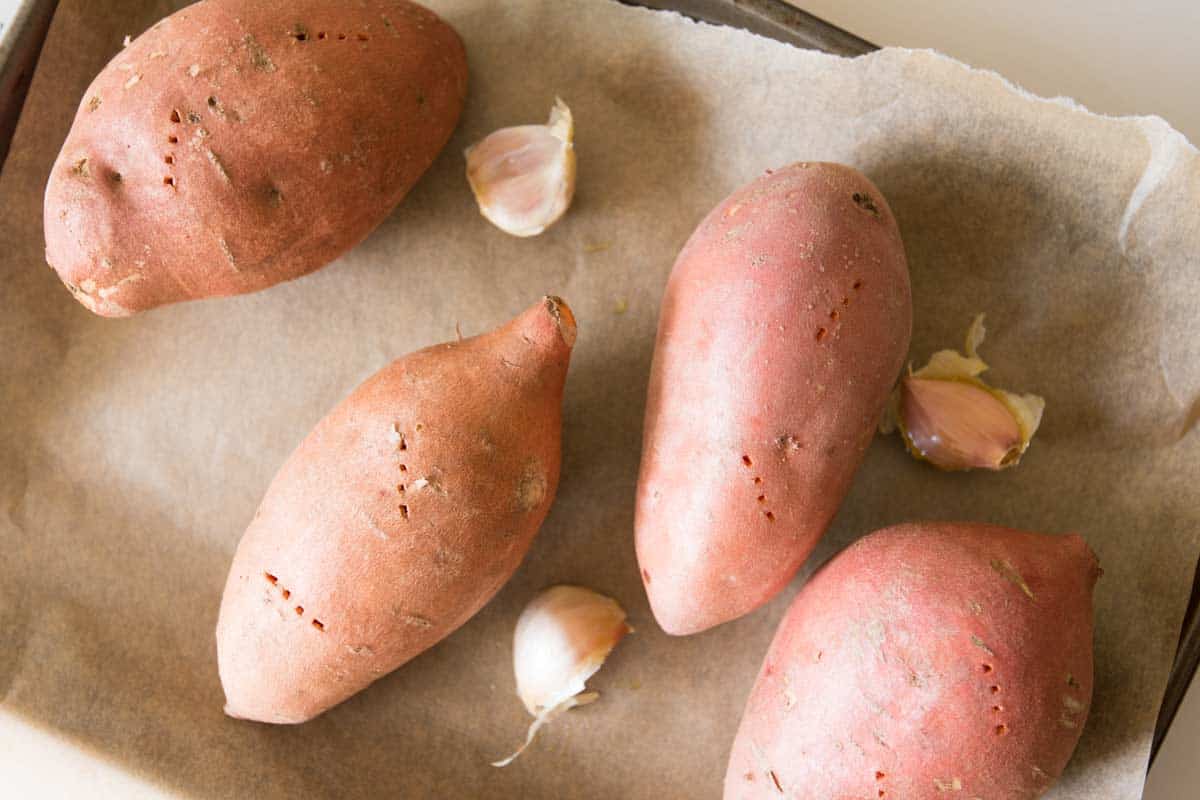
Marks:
<point>958,425</point>
<point>951,418</point>
<point>562,638</point>
<point>524,177</point>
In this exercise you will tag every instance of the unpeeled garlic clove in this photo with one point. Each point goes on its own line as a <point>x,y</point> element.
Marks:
<point>951,418</point>
<point>524,177</point>
<point>958,425</point>
<point>562,638</point>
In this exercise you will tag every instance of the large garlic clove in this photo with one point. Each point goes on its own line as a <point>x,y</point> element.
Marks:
<point>561,640</point>
<point>951,418</point>
<point>958,425</point>
<point>524,177</point>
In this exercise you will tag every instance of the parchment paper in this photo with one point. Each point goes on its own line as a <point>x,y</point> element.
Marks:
<point>134,452</point>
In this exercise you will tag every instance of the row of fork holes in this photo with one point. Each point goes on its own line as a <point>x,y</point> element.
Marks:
<point>403,445</point>
<point>834,314</point>
<point>169,158</point>
<point>1001,729</point>
<point>302,36</point>
<point>274,581</point>
<point>762,498</point>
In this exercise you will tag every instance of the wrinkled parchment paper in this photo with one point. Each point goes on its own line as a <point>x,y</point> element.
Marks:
<point>134,452</point>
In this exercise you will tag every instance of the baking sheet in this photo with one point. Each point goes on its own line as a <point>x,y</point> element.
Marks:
<point>133,452</point>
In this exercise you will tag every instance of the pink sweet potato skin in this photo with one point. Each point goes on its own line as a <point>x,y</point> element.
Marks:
<point>396,519</point>
<point>927,660</point>
<point>784,324</point>
<point>240,143</point>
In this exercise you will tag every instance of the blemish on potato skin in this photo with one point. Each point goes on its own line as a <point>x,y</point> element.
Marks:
<point>1010,574</point>
<point>94,102</point>
<point>258,55</point>
<point>106,292</point>
<point>448,559</point>
<point>949,785</point>
<point>865,202</point>
<point>216,161</point>
<point>218,108</point>
<point>531,488</point>
<point>788,444</point>
<point>228,253</point>
<point>775,780</point>
<point>975,640</point>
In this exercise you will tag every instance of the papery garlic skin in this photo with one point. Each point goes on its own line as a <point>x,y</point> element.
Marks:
<point>951,418</point>
<point>562,638</point>
<point>524,177</point>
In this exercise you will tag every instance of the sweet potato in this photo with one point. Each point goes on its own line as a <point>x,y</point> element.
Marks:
<point>784,325</point>
<point>926,660</point>
<point>396,519</point>
<point>238,144</point>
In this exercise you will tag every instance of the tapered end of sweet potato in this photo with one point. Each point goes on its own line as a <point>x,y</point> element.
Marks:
<point>562,314</point>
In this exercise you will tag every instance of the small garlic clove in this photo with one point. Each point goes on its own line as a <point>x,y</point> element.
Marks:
<point>562,638</point>
<point>951,418</point>
<point>958,425</point>
<point>524,177</point>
